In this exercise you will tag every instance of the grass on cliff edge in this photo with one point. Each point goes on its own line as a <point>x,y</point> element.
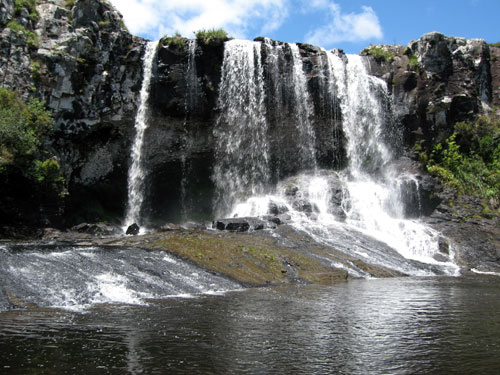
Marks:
<point>212,36</point>
<point>469,160</point>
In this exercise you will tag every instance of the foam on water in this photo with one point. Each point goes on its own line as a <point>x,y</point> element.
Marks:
<point>77,279</point>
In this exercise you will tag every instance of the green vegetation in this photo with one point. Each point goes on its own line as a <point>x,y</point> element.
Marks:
<point>31,37</point>
<point>469,160</point>
<point>23,127</point>
<point>380,54</point>
<point>104,24</point>
<point>494,44</point>
<point>413,62</point>
<point>123,26</point>
<point>30,5</point>
<point>212,36</point>
<point>36,72</point>
<point>177,40</point>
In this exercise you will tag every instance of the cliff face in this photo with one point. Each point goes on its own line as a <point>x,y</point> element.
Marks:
<point>436,81</point>
<point>88,69</point>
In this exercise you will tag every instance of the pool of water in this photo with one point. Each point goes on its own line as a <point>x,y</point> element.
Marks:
<point>384,326</point>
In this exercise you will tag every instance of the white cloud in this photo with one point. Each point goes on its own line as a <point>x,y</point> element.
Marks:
<point>350,27</point>
<point>159,17</point>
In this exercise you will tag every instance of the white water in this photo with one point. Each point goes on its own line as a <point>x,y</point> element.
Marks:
<point>76,278</point>
<point>373,186</point>
<point>242,152</point>
<point>191,106</point>
<point>303,112</point>
<point>371,202</point>
<point>136,174</point>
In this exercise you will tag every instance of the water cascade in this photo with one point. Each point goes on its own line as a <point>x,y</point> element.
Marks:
<point>191,105</point>
<point>303,112</point>
<point>373,185</point>
<point>359,210</point>
<point>242,151</point>
<point>136,174</point>
<point>77,278</point>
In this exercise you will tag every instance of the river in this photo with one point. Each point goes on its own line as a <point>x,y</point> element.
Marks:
<point>436,325</point>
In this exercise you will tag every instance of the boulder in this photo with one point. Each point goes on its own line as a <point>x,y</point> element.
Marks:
<point>133,230</point>
<point>245,224</point>
<point>96,229</point>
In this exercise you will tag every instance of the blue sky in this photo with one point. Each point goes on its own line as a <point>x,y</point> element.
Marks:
<point>347,24</point>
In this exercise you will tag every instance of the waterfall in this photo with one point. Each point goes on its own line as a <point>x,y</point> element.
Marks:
<point>242,152</point>
<point>192,81</point>
<point>303,112</point>
<point>136,173</point>
<point>359,210</point>
<point>373,197</point>
<point>191,105</point>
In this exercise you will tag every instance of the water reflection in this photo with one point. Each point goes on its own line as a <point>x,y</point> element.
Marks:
<point>393,326</point>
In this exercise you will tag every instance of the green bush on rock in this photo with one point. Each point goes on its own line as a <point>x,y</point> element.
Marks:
<point>31,37</point>
<point>469,160</point>
<point>23,127</point>
<point>30,6</point>
<point>212,36</point>
<point>380,54</point>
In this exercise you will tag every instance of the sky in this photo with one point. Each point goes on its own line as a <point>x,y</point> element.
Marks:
<point>347,24</point>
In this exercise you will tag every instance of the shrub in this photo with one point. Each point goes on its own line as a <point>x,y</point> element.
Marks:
<point>469,160</point>
<point>380,54</point>
<point>413,62</point>
<point>212,36</point>
<point>23,127</point>
<point>30,5</point>
<point>176,40</point>
<point>31,37</point>
<point>36,71</point>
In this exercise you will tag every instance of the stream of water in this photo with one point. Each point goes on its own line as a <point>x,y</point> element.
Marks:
<point>136,174</point>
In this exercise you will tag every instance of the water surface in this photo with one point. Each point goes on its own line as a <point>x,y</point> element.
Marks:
<point>387,326</point>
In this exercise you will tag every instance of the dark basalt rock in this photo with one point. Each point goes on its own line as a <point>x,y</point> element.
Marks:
<point>245,224</point>
<point>96,229</point>
<point>133,230</point>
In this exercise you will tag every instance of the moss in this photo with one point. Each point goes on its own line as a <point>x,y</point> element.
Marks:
<point>247,258</point>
